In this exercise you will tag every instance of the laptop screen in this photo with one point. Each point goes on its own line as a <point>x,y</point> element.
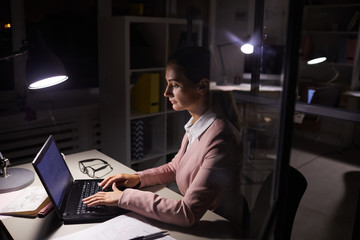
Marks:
<point>53,170</point>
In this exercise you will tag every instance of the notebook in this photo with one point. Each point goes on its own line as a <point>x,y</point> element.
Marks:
<point>64,192</point>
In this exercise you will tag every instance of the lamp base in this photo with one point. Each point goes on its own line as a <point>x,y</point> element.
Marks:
<point>17,179</point>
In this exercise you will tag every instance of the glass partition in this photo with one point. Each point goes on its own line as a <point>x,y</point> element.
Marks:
<point>261,89</point>
<point>330,87</point>
<point>277,94</point>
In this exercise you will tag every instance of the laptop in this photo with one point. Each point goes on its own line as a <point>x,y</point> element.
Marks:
<point>64,192</point>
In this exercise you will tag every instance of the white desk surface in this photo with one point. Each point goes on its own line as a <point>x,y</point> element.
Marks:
<point>245,87</point>
<point>211,225</point>
<point>353,93</point>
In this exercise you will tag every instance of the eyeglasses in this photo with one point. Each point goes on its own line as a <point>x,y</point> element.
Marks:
<point>98,169</point>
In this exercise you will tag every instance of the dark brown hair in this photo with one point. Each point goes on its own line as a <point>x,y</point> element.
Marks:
<point>195,62</point>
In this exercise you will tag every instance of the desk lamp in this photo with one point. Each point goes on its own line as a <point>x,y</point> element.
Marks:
<point>326,87</point>
<point>43,69</point>
<point>14,178</point>
<point>245,47</point>
<point>321,59</point>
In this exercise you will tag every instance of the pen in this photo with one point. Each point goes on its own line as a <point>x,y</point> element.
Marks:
<point>151,236</point>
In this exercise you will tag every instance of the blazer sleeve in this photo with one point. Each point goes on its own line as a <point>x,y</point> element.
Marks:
<point>205,189</point>
<point>163,174</point>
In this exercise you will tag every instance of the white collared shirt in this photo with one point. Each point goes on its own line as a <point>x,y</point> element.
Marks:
<point>193,131</point>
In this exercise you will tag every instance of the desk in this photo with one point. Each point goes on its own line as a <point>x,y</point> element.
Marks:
<point>210,226</point>
<point>245,87</point>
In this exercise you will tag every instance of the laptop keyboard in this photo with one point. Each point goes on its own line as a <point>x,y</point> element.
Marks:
<point>88,189</point>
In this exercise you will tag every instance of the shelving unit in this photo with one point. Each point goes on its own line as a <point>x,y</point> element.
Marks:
<point>328,31</point>
<point>331,29</point>
<point>128,48</point>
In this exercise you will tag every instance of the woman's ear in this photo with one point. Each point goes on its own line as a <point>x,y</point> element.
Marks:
<point>204,85</point>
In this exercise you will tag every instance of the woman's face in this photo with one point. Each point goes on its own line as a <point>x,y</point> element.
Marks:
<point>182,93</point>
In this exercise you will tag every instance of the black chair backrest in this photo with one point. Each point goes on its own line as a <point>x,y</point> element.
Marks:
<point>296,187</point>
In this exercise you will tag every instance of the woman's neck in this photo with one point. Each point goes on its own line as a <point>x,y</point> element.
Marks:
<point>199,108</point>
<point>198,113</point>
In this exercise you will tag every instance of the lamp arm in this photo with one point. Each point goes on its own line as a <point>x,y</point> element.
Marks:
<point>219,46</point>
<point>336,75</point>
<point>23,50</point>
<point>15,54</point>
<point>221,61</point>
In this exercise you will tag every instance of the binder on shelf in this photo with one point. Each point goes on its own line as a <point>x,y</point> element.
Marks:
<point>145,93</point>
<point>305,48</point>
<point>350,51</point>
<point>137,140</point>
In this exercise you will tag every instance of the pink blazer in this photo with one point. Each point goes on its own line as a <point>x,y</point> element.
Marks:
<point>207,175</point>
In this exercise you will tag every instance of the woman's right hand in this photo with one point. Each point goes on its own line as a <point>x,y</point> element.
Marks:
<point>121,179</point>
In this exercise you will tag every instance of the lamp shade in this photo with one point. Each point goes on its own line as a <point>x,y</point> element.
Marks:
<point>44,68</point>
<point>316,60</point>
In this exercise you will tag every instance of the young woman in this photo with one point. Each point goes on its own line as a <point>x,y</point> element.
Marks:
<point>207,166</point>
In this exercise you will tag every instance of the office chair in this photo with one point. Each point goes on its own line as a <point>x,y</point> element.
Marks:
<point>296,187</point>
<point>253,220</point>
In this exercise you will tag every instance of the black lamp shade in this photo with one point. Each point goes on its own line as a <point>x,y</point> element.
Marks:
<point>44,68</point>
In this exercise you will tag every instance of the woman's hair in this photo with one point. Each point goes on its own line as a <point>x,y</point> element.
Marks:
<point>195,62</point>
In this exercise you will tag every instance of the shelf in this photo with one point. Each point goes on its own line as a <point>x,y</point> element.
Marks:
<point>320,32</point>
<point>140,70</point>
<point>146,45</point>
<point>329,18</point>
<point>132,59</point>
<point>331,30</point>
<point>138,115</point>
<point>175,128</point>
<point>322,6</point>
<point>149,163</point>
<point>171,151</point>
<point>147,157</point>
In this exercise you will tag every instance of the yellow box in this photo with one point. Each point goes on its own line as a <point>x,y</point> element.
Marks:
<point>145,93</point>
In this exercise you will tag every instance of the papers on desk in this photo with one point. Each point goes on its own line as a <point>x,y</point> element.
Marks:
<point>123,227</point>
<point>26,202</point>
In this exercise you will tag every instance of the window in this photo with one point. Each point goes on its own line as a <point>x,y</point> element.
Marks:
<point>6,68</point>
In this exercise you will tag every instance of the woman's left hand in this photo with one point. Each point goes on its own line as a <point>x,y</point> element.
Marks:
<point>104,198</point>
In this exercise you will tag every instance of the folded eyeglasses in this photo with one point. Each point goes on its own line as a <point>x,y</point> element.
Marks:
<point>95,167</point>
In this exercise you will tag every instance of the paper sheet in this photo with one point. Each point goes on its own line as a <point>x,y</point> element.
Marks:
<point>123,227</point>
<point>27,199</point>
<point>5,199</point>
<point>22,202</point>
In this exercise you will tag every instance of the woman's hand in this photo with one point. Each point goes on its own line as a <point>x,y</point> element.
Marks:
<point>121,179</point>
<point>104,198</point>
<point>112,198</point>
